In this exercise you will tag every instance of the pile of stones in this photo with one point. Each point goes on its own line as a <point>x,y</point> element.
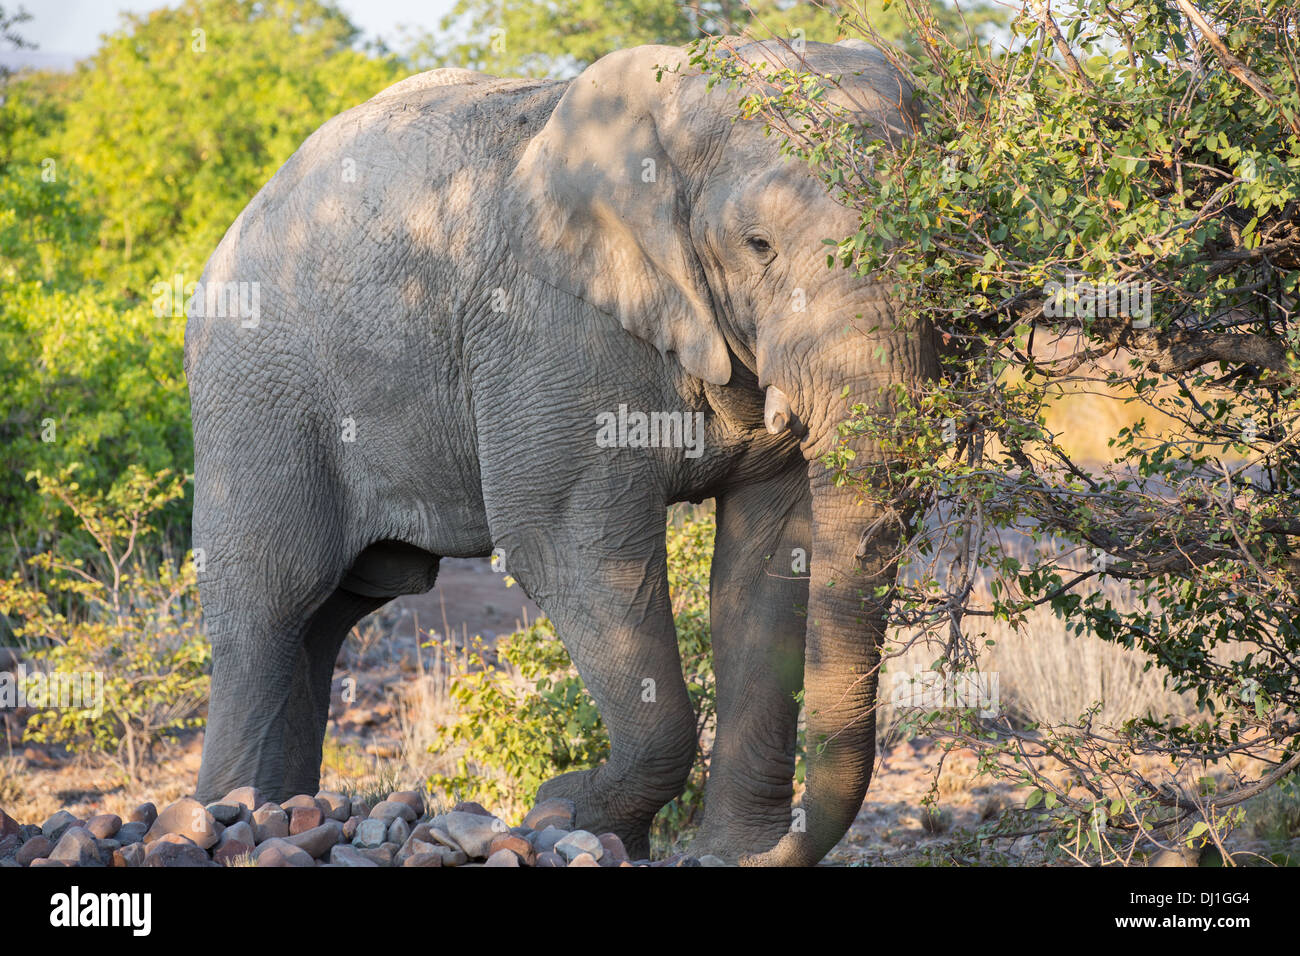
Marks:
<point>328,829</point>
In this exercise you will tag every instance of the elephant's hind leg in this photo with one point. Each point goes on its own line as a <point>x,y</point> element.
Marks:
<point>272,670</point>
<point>308,710</point>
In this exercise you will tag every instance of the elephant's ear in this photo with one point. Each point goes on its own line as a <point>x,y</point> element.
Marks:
<point>597,206</point>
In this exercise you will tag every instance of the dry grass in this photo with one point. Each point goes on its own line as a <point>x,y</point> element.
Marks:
<point>1045,674</point>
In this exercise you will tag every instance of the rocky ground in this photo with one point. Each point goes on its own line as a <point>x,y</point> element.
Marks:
<point>328,829</point>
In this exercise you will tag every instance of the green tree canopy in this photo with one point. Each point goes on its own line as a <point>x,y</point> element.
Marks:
<point>522,37</point>
<point>185,112</point>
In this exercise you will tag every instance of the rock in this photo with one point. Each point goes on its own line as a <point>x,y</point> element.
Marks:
<point>380,855</point>
<point>614,851</point>
<point>391,810</point>
<point>473,832</point>
<point>302,819</point>
<point>241,832</point>
<point>131,833</point>
<point>133,854</point>
<point>422,832</point>
<point>8,825</point>
<point>360,808</point>
<point>578,842</point>
<point>438,834</point>
<point>430,857</point>
<point>502,858</point>
<point>583,859</point>
<point>8,846</point>
<point>411,798</point>
<point>335,805</point>
<point>550,859</point>
<point>58,824</point>
<point>513,844</point>
<point>48,862</point>
<point>451,857</point>
<point>270,822</point>
<point>188,818</point>
<point>174,849</point>
<point>556,812</point>
<point>411,847</point>
<point>710,860</point>
<point>471,806</point>
<point>233,852</point>
<point>546,839</point>
<point>279,852</point>
<point>250,798</point>
<point>299,801</point>
<point>350,828</point>
<point>318,840</point>
<point>37,848</point>
<point>344,855</point>
<point>28,830</point>
<point>77,845</point>
<point>145,813</point>
<point>106,850</point>
<point>399,831</point>
<point>370,833</point>
<point>228,813</point>
<point>104,826</point>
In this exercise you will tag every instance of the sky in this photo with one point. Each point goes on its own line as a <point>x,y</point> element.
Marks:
<point>67,30</point>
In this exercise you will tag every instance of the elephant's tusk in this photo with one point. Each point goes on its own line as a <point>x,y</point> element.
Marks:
<point>776,410</point>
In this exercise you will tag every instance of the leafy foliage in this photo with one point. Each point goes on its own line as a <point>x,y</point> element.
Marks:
<point>525,38</point>
<point>124,174</point>
<point>131,639</point>
<point>1125,150</point>
<point>88,382</point>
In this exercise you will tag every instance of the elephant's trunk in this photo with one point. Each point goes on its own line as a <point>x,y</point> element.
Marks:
<point>846,620</point>
<point>854,551</point>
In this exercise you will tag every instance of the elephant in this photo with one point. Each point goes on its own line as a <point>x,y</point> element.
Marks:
<point>458,287</point>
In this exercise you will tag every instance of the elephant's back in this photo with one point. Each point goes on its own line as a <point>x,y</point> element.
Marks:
<point>387,210</point>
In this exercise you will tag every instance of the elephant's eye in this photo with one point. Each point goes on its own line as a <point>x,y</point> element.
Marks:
<point>759,246</point>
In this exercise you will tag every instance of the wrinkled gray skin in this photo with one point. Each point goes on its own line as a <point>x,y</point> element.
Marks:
<point>469,270</point>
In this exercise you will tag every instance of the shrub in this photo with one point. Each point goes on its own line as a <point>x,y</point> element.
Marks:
<point>127,626</point>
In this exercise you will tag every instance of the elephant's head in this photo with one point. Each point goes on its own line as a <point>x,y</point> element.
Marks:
<point>647,198</point>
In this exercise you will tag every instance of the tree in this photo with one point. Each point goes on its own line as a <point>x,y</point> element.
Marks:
<point>519,37</point>
<point>1110,204</point>
<point>183,114</point>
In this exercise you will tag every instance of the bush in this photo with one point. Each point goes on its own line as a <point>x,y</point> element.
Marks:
<point>91,382</point>
<point>526,716</point>
<point>127,628</point>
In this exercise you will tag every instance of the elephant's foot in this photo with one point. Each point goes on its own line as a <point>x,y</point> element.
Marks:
<point>599,809</point>
<point>731,844</point>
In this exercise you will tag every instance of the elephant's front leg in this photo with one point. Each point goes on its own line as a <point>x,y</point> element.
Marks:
<point>612,610</point>
<point>757,600</point>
